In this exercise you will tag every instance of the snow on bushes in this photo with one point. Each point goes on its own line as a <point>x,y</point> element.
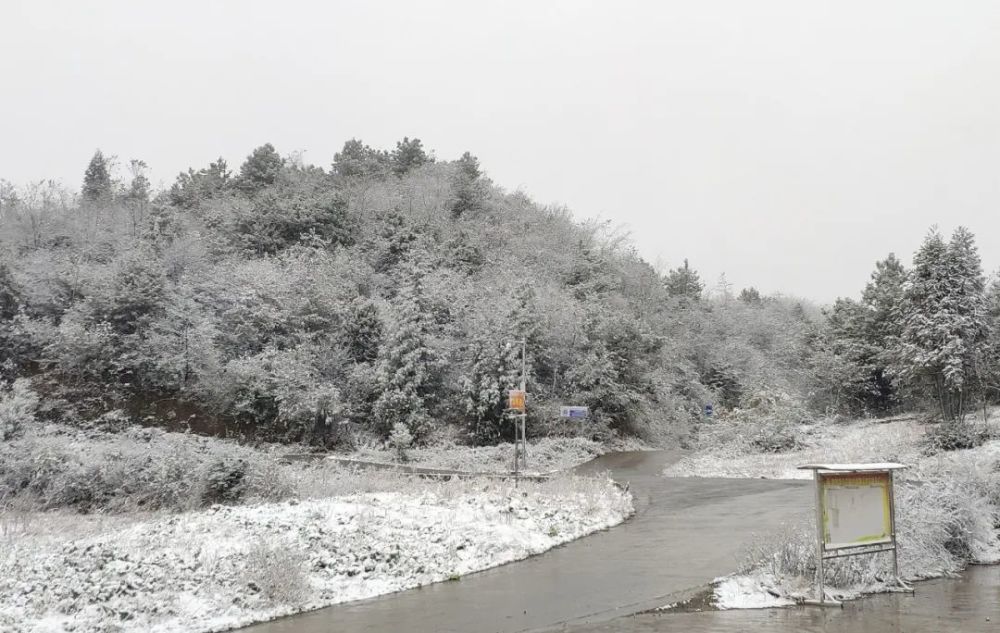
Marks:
<point>764,423</point>
<point>947,511</point>
<point>18,404</point>
<point>141,469</point>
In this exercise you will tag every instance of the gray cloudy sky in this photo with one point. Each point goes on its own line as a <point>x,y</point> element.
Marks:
<point>788,144</point>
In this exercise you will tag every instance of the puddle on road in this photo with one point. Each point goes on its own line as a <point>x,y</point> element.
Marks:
<point>969,603</point>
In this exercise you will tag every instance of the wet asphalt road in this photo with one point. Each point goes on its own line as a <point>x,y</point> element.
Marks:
<point>685,532</point>
<point>967,604</point>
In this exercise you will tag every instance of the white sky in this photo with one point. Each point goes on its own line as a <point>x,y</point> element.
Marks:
<point>786,143</point>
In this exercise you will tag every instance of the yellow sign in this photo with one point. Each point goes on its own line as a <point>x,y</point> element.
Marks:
<point>515,399</point>
<point>856,509</point>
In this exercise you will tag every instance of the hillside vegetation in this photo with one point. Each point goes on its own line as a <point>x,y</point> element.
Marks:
<point>291,302</point>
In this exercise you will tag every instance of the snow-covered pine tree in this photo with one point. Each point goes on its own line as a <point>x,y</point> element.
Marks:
<point>944,320</point>
<point>988,358</point>
<point>971,312</point>
<point>883,297</point>
<point>684,283</point>
<point>363,331</point>
<point>408,368</point>
<point>847,339</point>
<point>97,184</point>
<point>496,368</point>
<point>10,300</point>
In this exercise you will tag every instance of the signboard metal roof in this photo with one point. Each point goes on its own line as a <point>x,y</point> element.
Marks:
<point>854,467</point>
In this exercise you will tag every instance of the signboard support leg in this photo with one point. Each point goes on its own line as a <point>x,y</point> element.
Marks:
<point>820,600</point>
<point>820,592</point>
<point>903,587</point>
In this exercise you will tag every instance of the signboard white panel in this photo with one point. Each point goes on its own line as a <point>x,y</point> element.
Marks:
<point>856,509</point>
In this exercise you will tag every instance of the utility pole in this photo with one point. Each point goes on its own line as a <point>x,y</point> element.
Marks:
<point>518,411</point>
<point>524,412</point>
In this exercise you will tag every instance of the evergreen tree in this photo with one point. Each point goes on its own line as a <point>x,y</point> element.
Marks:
<point>590,274</point>
<point>944,320</point>
<point>988,360</point>
<point>750,296</point>
<point>11,348</point>
<point>496,368</point>
<point>399,238</point>
<point>136,294</point>
<point>847,337</point>
<point>359,160</point>
<point>468,166</point>
<point>136,197</point>
<point>684,283</point>
<point>276,220</point>
<point>97,185</point>
<point>9,294</point>
<point>194,187</point>
<point>866,335</point>
<point>409,155</point>
<point>363,331</point>
<point>883,296</point>
<point>467,194</point>
<point>407,369</point>
<point>260,170</point>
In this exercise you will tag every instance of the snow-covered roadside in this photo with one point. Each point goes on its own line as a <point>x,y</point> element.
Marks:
<point>225,567</point>
<point>947,508</point>
<point>545,455</point>
<point>863,441</point>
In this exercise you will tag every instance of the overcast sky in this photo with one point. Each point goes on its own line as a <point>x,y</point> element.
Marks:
<point>788,144</point>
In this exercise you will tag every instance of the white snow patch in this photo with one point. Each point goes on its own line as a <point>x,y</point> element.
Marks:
<point>226,567</point>
<point>749,592</point>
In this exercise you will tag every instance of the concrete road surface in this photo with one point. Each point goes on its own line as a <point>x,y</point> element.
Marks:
<point>685,533</point>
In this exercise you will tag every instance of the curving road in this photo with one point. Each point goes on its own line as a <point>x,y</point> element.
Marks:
<point>685,532</point>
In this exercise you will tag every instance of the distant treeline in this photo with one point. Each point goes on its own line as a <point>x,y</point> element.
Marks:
<point>297,302</point>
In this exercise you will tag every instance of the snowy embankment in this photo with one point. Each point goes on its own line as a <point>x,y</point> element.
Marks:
<point>229,566</point>
<point>948,505</point>
<point>545,455</point>
<point>863,441</point>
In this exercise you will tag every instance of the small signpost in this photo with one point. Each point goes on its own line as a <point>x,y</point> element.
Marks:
<point>709,410</point>
<point>855,514</point>
<point>515,400</point>
<point>574,412</point>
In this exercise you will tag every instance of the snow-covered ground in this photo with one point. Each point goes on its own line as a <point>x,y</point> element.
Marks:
<point>947,508</point>
<point>545,455</point>
<point>224,567</point>
<point>863,441</point>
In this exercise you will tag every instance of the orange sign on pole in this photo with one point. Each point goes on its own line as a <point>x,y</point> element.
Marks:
<point>515,399</point>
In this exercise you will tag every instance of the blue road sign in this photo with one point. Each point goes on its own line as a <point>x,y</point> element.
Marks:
<point>573,412</point>
<point>709,410</point>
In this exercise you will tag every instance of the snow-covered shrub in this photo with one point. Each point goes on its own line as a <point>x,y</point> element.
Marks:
<point>275,573</point>
<point>148,469</point>
<point>954,435</point>
<point>765,423</point>
<point>18,404</point>
<point>283,389</point>
<point>223,481</point>
<point>400,439</point>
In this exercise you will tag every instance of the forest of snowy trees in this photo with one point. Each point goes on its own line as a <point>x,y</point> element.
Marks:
<point>294,302</point>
